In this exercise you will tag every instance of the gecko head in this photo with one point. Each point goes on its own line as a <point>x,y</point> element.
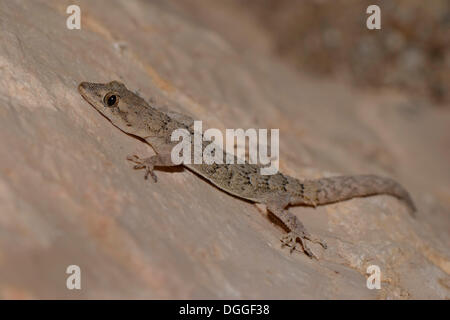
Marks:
<point>113,100</point>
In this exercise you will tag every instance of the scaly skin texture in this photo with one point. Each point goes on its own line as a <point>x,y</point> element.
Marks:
<point>135,116</point>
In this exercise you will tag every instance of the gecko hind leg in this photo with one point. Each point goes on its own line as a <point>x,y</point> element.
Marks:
<point>158,160</point>
<point>298,234</point>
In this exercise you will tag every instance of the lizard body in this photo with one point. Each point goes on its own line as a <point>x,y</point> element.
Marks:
<point>133,115</point>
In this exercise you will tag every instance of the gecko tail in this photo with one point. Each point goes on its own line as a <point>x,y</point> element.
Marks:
<point>334,189</point>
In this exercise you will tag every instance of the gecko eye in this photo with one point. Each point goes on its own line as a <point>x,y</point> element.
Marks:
<point>111,99</point>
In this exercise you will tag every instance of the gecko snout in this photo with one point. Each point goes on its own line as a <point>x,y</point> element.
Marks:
<point>82,86</point>
<point>91,91</point>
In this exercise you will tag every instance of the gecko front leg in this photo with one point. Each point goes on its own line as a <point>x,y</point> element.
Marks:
<point>158,160</point>
<point>298,233</point>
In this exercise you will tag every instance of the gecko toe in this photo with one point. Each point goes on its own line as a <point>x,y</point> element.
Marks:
<point>316,240</point>
<point>146,164</point>
<point>307,250</point>
<point>134,158</point>
<point>297,242</point>
<point>150,172</point>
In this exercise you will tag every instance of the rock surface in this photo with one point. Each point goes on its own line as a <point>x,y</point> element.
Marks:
<point>69,197</point>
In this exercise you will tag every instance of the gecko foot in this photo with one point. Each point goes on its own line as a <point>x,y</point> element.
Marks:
<point>295,240</point>
<point>146,164</point>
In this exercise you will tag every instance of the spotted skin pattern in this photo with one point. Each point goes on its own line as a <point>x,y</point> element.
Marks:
<point>133,115</point>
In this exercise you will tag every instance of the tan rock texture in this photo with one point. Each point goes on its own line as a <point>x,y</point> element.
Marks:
<point>69,197</point>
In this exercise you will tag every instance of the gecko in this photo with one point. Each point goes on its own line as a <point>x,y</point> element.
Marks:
<point>133,115</point>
